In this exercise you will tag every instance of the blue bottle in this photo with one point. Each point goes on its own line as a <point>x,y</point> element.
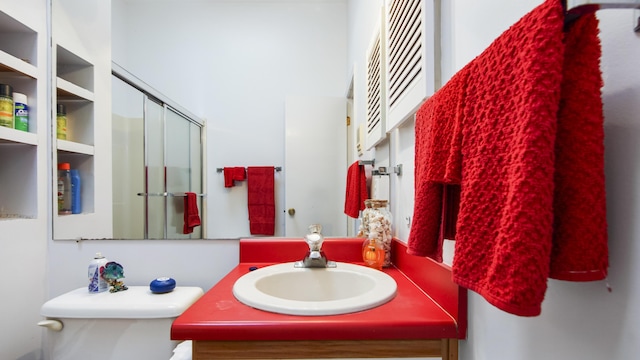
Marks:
<point>76,199</point>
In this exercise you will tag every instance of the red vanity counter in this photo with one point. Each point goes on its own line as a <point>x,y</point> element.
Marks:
<point>425,313</point>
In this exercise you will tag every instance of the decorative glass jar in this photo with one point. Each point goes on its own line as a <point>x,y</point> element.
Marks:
<point>375,227</point>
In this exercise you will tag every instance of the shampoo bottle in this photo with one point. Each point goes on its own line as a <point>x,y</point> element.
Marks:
<point>76,199</point>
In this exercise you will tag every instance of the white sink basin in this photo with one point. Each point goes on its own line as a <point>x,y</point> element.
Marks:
<point>284,289</point>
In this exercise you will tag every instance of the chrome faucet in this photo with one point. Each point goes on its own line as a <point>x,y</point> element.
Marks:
<point>315,258</point>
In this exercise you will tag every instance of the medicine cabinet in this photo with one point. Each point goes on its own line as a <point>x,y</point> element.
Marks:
<point>22,153</point>
<point>81,70</point>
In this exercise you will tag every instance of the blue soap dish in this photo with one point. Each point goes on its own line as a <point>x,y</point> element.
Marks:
<point>162,285</point>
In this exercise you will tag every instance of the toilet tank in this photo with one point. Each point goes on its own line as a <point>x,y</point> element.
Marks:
<point>133,324</point>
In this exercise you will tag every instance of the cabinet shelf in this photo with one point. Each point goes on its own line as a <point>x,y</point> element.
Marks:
<point>18,49</point>
<point>10,63</point>
<point>12,136</point>
<point>78,159</point>
<point>70,91</point>
<point>74,147</point>
<point>63,60</point>
<point>74,69</point>
<point>74,85</point>
<point>21,151</point>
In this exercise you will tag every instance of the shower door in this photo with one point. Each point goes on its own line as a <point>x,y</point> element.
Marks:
<point>157,158</point>
<point>183,156</point>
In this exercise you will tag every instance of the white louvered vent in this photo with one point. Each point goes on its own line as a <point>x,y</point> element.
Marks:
<point>413,32</point>
<point>376,129</point>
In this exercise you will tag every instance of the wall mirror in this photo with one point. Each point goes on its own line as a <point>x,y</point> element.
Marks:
<point>241,65</point>
<point>240,84</point>
<point>157,158</point>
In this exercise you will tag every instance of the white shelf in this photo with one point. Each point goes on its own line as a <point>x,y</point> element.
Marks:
<point>8,135</point>
<point>11,63</point>
<point>74,147</point>
<point>68,88</point>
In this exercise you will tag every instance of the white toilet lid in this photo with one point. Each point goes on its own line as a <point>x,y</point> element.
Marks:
<point>138,302</point>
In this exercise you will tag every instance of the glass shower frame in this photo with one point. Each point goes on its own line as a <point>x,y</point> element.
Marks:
<point>173,147</point>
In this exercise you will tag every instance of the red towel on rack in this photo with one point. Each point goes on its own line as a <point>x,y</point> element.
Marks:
<point>580,247</point>
<point>261,199</point>
<point>191,216</point>
<point>437,167</point>
<point>232,174</point>
<point>524,124</point>
<point>356,192</point>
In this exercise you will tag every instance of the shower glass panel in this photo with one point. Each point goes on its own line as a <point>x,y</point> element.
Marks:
<point>182,175</point>
<point>155,205</point>
<point>157,158</point>
<point>128,159</point>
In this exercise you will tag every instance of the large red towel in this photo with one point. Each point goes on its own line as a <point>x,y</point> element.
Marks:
<point>191,216</point>
<point>520,128</point>
<point>232,174</point>
<point>261,200</point>
<point>356,192</point>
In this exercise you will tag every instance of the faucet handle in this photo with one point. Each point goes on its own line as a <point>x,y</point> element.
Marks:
<point>314,239</point>
<point>315,228</point>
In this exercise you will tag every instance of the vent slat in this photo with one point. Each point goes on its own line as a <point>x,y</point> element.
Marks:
<point>374,88</point>
<point>405,46</point>
<point>402,82</point>
<point>412,60</point>
<point>403,56</point>
<point>411,75</point>
<point>404,25</point>
<point>408,63</point>
<point>398,14</point>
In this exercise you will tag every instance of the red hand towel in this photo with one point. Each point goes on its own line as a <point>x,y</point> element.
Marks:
<point>232,174</point>
<point>191,216</point>
<point>506,117</point>
<point>356,192</point>
<point>437,145</point>
<point>261,200</point>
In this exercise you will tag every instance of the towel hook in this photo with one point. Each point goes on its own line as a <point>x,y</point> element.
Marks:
<point>382,170</point>
<point>371,162</point>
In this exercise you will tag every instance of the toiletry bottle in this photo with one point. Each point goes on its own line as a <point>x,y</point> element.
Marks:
<point>21,113</point>
<point>61,122</point>
<point>96,267</point>
<point>6,105</point>
<point>76,200</point>
<point>373,253</point>
<point>64,189</point>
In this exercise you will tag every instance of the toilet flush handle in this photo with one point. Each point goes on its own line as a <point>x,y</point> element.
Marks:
<point>55,325</point>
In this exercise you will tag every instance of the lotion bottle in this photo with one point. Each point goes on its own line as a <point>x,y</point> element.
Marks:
<point>97,283</point>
